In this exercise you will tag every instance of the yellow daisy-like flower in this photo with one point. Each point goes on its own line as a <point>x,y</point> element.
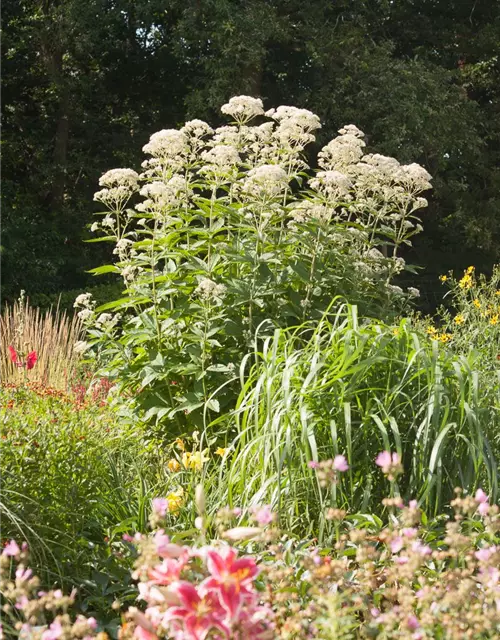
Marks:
<point>466,282</point>
<point>476,303</point>
<point>395,331</point>
<point>470,270</point>
<point>497,293</point>
<point>444,337</point>
<point>494,319</point>
<point>459,319</point>
<point>180,444</point>
<point>221,451</point>
<point>432,331</point>
<point>175,500</point>
<point>443,278</point>
<point>173,465</point>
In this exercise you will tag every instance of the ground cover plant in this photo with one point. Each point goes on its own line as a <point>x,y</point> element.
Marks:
<point>398,579</point>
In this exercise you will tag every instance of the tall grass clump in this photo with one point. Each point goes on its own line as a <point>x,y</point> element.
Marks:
<point>354,388</point>
<point>52,334</point>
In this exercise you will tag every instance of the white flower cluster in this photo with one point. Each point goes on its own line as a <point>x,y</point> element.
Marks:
<point>342,151</point>
<point>114,197</point>
<point>170,194</point>
<point>265,182</point>
<point>331,184</point>
<point>306,211</point>
<point>119,184</point>
<point>167,143</point>
<point>107,321</point>
<point>119,178</point>
<point>243,108</point>
<point>221,160</point>
<point>83,300</point>
<point>80,347</point>
<point>207,289</point>
<point>123,249</point>
<point>197,129</point>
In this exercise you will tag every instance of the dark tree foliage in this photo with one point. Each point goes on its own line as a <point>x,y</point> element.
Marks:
<point>86,83</point>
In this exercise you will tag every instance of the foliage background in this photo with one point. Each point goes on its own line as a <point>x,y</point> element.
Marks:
<point>85,84</point>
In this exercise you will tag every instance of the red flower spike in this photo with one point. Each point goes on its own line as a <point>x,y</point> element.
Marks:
<point>13,354</point>
<point>31,360</point>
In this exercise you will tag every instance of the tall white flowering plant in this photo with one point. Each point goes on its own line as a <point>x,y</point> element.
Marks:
<point>228,231</point>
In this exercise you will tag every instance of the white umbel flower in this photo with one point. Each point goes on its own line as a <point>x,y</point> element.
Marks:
<point>243,108</point>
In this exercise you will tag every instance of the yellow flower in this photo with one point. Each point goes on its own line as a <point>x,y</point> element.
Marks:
<point>432,331</point>
<point>459,319</point>
<point>180,444</point>
<point>465,282</point>
<point>173,465</point>
<point>175,500</point>
<point>494,319</point>
<point>497,293</point>
<point>194,460</point>
<point>470,270</point>
<point>476,303</point>
<point>443,278</point>
<point>221,451</point>
<point>444,337</point>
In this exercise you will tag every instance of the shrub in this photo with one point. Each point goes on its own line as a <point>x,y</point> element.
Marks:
<point>73,478</point>
<point>351,387</point>
<point>234,229</point>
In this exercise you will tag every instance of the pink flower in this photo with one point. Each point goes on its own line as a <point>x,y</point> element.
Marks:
<point>340,463</point>
<point>263,515</point>
<point>483,509</point>
<point>383,460</point>
<point>23,574</point>
<point>53,632</point>
<point>11,549</point>
<point>413,504</point>
<point>421,549</point>
<point>167,572</point>
<point>409,532</point>
<point>199,612</point>
<point>481,496</point>
<point>313,465</point>
<point>484,554</point>
<point>160,506</point>
<point>412,623</point>
<point>231,576</point>
<point>396,544</point>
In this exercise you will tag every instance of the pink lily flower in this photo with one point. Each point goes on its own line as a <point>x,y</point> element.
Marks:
<point>199,614</point>
<point>231,576</point>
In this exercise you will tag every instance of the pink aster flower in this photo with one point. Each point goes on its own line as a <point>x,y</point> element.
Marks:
<point>484,554</point>
<point>11,549</point>
<point>160,507</point>
<point>383,460</point>
<point>53,632</point>
<point>263,515</point>
<point>340,463</point>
